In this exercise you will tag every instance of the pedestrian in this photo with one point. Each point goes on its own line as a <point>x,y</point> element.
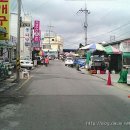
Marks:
<point>46,61</point>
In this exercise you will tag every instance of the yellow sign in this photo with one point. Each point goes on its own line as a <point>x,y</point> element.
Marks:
<point>4,19</point>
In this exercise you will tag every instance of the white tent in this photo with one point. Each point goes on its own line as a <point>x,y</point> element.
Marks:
<point>85,47</point>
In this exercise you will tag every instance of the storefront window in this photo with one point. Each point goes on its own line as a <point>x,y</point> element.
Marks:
<point>126,61</point>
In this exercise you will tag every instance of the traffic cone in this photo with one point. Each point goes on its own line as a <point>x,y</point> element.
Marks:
<point>128,96</point>
<point>109,79</point>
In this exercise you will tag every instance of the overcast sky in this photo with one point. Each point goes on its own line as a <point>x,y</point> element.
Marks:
<point>107,18</point>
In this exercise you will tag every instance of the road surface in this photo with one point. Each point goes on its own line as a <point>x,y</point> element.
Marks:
<point>61,98</point>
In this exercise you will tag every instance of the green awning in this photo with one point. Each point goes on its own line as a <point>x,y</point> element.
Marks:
<point>111,50</point>
<point>126,54</point>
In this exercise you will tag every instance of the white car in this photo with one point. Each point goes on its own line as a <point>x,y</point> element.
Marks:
<point>69,61</point>
<point>26,63</point>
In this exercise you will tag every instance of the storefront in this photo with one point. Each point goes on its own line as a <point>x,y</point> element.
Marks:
<point>125,48</point>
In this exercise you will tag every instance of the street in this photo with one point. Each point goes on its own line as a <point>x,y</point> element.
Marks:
<point>58,97</point>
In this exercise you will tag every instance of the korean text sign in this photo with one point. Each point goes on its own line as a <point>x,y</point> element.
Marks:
<point>37,31</point>
<point>4,18</point>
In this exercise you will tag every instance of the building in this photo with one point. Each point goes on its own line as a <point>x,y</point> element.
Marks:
<point>124,47</point>
<point>52,44</point>
<point>13,33</point>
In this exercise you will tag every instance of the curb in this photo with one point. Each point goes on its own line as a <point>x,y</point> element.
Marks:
<point>13,85</point>
<point>120,86</point>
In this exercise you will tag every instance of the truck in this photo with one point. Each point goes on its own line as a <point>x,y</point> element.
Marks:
<point>97,62</point>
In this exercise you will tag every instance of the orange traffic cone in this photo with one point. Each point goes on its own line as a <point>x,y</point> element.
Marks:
<point>109,79</point>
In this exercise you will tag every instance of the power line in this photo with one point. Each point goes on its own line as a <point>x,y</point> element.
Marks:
<point>113,30</point>
<point>123,34</point>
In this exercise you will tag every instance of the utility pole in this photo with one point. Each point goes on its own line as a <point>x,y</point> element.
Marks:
<point>86,11</point>
<point>18,42</point>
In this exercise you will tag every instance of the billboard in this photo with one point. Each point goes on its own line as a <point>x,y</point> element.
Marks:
<point>37,34</point>
<point>4,18</point>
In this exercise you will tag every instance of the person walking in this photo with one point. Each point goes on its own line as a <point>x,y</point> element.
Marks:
<point>46,61</point>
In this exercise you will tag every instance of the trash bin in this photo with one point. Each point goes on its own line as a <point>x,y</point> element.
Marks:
<point>123,76</point>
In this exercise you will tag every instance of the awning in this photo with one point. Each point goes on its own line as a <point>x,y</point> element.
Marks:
<point>2,45</point>
<point>112,50</point>
<point>126,54</point>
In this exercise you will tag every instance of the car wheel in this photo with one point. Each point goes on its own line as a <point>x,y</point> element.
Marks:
<point>77,67</point>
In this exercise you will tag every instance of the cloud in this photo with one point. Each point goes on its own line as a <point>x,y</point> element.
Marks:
<point>105,15</point>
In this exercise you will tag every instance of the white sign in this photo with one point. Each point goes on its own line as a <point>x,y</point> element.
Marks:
<point>27,34</point>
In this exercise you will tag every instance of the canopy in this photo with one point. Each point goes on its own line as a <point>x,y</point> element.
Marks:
<point>93,47</point>
<point>85,47</point>
<point>126,54</point>
<point>96,47</point>
<point>111,50</point>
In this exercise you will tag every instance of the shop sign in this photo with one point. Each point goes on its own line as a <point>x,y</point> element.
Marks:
<point>27,34</point>
<point>37,32</point>
<point>4,18</point>
<point>37,48</point>
<point>24,24</point>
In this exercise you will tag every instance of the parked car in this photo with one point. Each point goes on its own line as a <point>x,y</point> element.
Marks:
<point>51,57</point>
<point>69,61</point>
<point>80,62</point>
<point>26,63</point>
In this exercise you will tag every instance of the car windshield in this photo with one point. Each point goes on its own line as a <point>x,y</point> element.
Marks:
<point>97,58</point>
<point>69,58</point>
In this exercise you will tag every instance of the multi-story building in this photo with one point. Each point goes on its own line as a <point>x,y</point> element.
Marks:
<point>52,44</point>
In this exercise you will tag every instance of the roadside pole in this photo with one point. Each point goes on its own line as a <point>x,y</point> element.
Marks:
<point>18,43</point>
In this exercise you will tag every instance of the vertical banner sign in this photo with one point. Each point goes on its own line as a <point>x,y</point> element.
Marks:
<point>4,18</point>
<point>37,33</point>
<point>27,34</point>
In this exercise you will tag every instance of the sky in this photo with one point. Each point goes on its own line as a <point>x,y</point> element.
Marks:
<point>108,19</point>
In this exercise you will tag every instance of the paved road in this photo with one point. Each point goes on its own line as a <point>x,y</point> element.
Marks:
<point>61,98</point>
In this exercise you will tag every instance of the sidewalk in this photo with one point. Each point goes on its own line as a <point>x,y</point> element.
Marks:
<point>9,83</point>
<point>114,79</point>
<point>6,84</point>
